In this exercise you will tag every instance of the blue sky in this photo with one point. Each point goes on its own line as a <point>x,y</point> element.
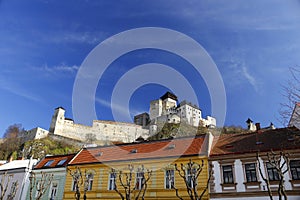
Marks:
<point>43,44</point>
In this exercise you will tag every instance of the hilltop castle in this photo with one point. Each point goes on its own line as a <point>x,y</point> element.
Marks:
<point>163,110</point>
<point>166,110</point>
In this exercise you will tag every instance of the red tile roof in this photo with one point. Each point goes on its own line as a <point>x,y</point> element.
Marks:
<point>56,160</point>
<point>277,139</point>
<point>146,150</point>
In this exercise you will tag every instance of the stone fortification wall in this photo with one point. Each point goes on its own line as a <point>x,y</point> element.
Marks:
<point>102,130</point>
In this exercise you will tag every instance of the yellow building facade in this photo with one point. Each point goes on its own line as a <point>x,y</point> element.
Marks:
<point>101,168</point>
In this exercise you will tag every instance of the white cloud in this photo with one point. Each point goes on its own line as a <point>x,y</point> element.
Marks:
<point>56,70</point>
<point>249,78</point>
<point>122,110</point>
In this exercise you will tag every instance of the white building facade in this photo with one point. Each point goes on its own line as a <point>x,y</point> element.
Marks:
<point>15,175</point>
<point>236,169</point>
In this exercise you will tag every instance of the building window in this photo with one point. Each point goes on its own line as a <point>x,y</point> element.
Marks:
<point>13,190</point>
<point>169,179</point>
<point>112,181</point>
<point>89,181</point>
<point>61,162</point>
<point>250,170</point>
<point>227,174</point>
<point>191,175</point>
<point>139,180</point>
<point>74,185</point>
<point>272,173</point>
<point>48,163</point>
<point>38,189</point>
<point>53,190</point>
<point>295,169</point>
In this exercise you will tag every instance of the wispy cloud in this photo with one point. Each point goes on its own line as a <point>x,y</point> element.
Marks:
<point>57,69</point>
<point>77,37</point>
<point>12,87</point>
<point>238,74</point>
<point>123,111</point>
<point>249,78</point>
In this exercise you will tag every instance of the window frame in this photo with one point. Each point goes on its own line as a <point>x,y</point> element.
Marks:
<point>74,184</point>
<point>139,178</point>
<point>112,181</point>
<point>295,169</point>
<point>252,173</point>
<point>189,177</point>
<point>226,180</point>
<point>61,162</point>
<point>90,180</point>
<point>169,179</point>
<point>275,175</point>
<point>48,163</point>
<point>51,190</point>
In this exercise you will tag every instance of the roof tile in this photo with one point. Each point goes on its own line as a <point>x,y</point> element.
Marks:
<point>146,150</point>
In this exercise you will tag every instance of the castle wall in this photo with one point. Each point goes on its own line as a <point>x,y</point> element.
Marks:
<point>102,130</point>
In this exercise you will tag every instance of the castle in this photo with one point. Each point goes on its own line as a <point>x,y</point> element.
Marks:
<point>166,110</point>
<point>163,110</point>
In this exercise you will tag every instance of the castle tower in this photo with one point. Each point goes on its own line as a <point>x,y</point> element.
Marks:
<point>57,121</point>
<point>169,101</point>
<point>163,105</point>
<point>155,109</point>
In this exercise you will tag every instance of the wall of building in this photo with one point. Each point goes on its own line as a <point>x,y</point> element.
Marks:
<point>240,189</point>
<point>155,187</point>
<point>20,171</point>
<point>59,177</point>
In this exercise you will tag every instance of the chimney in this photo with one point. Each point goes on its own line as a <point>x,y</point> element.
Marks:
<point>257,125</point>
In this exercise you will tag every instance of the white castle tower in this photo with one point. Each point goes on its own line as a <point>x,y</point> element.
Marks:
<point>165,105</point>
<point>57,122</point>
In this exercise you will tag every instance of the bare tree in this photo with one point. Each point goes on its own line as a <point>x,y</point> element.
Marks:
<point>13,190</point>
<point>88,177</point>
<point>4,184</point>
<point>90,138</point>
<point>291,92</point>
<point>41,185</point>
<point>12,141</point>
<point>77,181</point>
<point>131,188</point>
<point>190,173</point>
<point>280,164</point>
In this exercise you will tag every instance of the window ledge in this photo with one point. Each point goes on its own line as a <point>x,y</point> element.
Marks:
<point>295,181</point>
<point>228,184</point>
<point>274,182</point>
<point>253,183</point>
